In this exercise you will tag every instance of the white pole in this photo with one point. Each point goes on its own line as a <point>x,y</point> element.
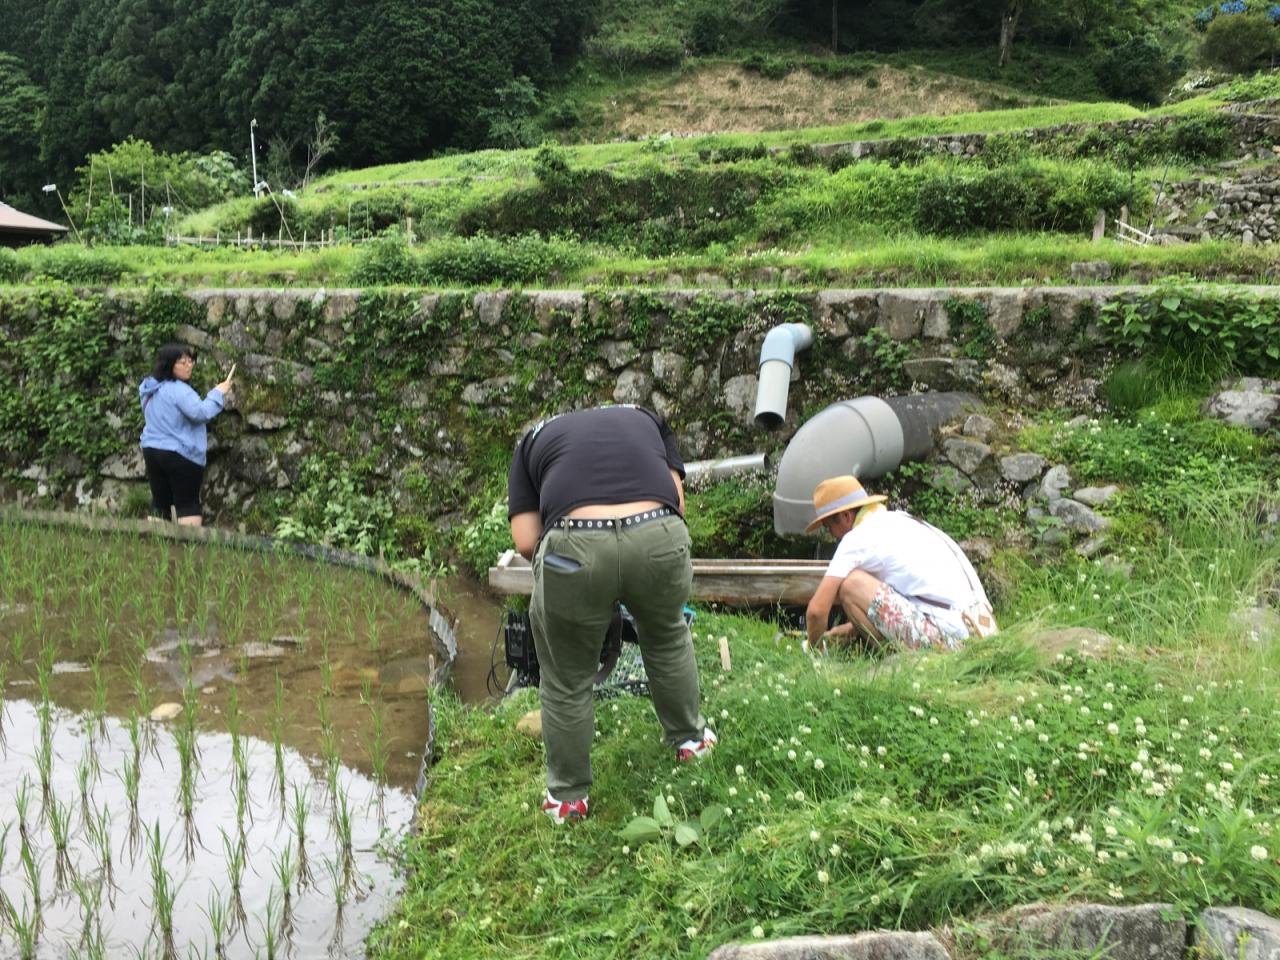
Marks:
<point>253,155</point>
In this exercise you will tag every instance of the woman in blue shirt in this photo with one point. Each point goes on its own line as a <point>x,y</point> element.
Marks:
<point>174,439</point>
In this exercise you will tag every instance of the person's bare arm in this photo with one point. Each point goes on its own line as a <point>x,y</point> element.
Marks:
<point>526,528</point>
<point>679,489</point>
<point>819,611</point>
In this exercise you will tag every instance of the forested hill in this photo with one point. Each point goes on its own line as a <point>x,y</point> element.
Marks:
<point>398,80</point>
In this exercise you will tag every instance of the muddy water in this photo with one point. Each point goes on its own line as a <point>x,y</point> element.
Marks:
<point>324,667</point>
<point>99,895</point>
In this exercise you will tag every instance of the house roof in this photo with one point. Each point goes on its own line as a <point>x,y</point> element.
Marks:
<point>15,221</point>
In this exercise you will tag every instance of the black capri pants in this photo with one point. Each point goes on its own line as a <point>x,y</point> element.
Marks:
<point>175,482</point>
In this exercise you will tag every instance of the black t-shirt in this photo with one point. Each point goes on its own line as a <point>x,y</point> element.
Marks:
<point>606,455</point>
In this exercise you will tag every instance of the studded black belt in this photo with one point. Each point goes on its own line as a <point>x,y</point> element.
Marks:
<point>621,523</point>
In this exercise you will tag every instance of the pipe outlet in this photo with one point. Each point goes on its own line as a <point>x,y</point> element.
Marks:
<point>866,438</point>
<point>777,357</point>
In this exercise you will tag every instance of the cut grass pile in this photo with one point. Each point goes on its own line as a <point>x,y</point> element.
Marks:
<point>857,795</point>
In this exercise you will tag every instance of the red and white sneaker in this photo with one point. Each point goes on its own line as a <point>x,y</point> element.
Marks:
<point>697,749</point>
<point>560,811</point>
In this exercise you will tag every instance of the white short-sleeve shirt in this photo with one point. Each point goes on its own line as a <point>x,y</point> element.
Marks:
<point>918,560</point>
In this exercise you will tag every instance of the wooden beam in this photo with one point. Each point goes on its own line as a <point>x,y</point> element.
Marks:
<point>725,581</point>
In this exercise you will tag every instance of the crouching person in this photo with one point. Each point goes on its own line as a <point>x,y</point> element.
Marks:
<point>596,502</point>
<point>899,580</point>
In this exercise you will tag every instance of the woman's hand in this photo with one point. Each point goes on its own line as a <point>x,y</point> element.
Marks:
<point>225,385</point>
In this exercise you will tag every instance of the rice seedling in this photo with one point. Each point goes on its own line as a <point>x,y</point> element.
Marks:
<point>184,736</point>
<point>86,774</point>
<point>268,925</point>
<point>58,816</point>
<point>130,775</point>
<point>6,907</point>
<point>277,744</point>
<point>215,911</point>
<point>163,892</point>
<point>44,765</point>
<point>19,640</point>
<point>378,754</point>
<point>26,931</point>
<point>89,894</point>
<point>234,855</point>
<point>371,617</point>
<point>99,695</point>
<point>100,835</point>
<point>300,808</point>
<point>326,669</point>
<point>328,749</point>
<point>4,669</point>
<point>31,868</point>
<point>284,873</point>
<point>336,875</point>
<point>343,821</point>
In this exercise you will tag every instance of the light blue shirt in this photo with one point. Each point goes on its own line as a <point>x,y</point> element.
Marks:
<point>176,417</point>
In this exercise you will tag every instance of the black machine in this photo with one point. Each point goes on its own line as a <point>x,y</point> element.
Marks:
<point>621,666</point>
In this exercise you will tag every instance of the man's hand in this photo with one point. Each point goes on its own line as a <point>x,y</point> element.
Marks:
<point>819,611</point>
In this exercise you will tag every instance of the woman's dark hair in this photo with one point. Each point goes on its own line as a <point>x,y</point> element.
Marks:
<point>169,354</point>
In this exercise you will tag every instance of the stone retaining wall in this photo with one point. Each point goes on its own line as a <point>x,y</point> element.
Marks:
<point>419,388</point>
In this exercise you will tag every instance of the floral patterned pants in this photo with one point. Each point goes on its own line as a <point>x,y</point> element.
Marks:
<point>907,623</point>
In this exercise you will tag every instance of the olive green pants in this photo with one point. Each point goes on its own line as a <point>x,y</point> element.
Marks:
<point>648,569</point>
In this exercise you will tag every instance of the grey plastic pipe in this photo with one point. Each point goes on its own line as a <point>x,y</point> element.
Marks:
<point>777,357</point>
<point>726,467</point>
<point>865,438</point>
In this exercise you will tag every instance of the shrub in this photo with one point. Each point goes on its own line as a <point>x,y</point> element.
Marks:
<point>481,542</point>
<point>772,68</point>
<point>1203,138</point>
<point>72,263</point>
<point>1239,41</point>
<point>982,200</point>
<point>1138,69</point>
<point>563,115</point>
<point>10,267</point>
<point>1257,87</point>
<point>385,262</point>
<point>1239,332</point>
<point>483,260</point>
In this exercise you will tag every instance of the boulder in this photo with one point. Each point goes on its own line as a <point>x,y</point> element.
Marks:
<point>488,306</point>
<point>668,367</point>
<point>1075,516</point>
<point>943,373</point>
<point>948,478</point>
<point>978,549</point>
<point>124,466</point>
<point>1091,270</point>
<point>1244,408</point>
<point>634,386</point>
<point>262,420</point>
<point>739,395</point>
<point>979,427</point>
<point>1022,467</point>
<point>192,337</point>
<point>877,945</point>
<point>252,461</point>
<point>1054,482</point>
<point>1094,496</point>
<point>1083,640</point>
<point>1237,933</point>
<point>166,711</point>
<point>617,353</point>
<point>967,455</point>
<point>1151,931</point>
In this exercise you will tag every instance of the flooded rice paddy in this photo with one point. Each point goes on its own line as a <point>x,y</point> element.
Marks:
<point>205,751</point>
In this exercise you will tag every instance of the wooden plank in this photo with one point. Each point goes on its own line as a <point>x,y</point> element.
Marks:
<point>746,581</point>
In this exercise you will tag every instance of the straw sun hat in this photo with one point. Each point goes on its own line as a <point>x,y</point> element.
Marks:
<point>838,494</point>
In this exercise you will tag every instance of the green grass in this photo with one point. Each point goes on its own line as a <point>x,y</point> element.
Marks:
<point>516,164</point>
<point>858,796</point>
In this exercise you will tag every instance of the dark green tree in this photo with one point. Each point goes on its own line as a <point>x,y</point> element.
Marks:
<point>22,106</point>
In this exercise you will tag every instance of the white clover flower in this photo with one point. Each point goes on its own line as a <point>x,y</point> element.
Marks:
<point>1107,706</point>
<point>1029,724</point>
<point>799,795</point>
<point>724,714</point>
<point>881,751</point>
<point>757,931</point>
<point>818,764</point>
<point>733,791</point>
<point>885,803</point>
<point>690,932</point>
<point>1103,856</point>
<point>946,758</point>
<point>1258,853</point>
<point>1044,738</point>
<point>1187,698</point>
<point>1066,698</point>
<point>738,770</point>
<point>933,721</point>
<point>1113,729</point>
<point>625,850</point>
<point>823,876</point>
<point>1179,858</point>
<point>1115,893</point>
<point>835,692</point>
<point>1136,767</point>
<point>791,754</point>
<point>973,722</point>
<point>834,850</point>
<point>1084,711</point>
<point>875,899</point>
<point>1227,766</point>
<point>1110,688</point>
<point>866,751</point>
<point>887,864</point>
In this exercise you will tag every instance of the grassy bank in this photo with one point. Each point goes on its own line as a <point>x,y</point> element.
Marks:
<point>855,795</point>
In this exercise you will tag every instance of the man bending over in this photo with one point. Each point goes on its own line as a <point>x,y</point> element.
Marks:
<point>898,579</point>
